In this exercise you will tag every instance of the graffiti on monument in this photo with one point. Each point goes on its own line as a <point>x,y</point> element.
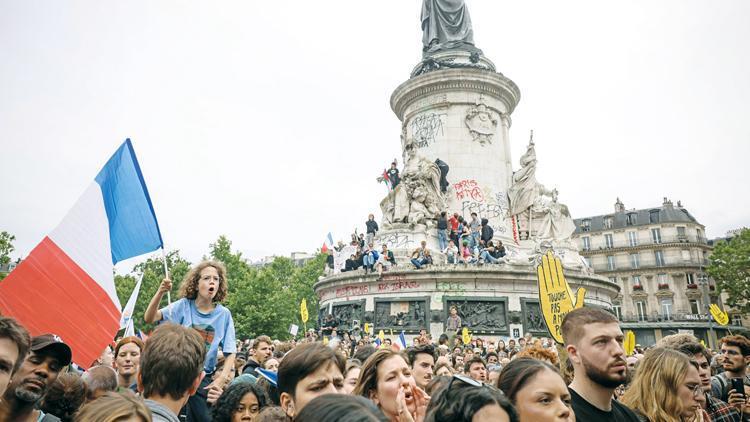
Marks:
<point>468,189</point>
<point>481,315</point>
<point>450,287</point>
<point>401,315</point>
<point>395,241</point>
<point>426,128</point>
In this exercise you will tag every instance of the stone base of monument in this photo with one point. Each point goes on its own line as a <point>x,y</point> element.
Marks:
<point>492,298</point>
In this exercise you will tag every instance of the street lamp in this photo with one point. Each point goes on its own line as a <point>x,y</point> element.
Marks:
<point>703,282</point>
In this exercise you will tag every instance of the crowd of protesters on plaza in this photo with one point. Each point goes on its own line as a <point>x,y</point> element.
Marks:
<point>460,241</point>
<point>192,367</point>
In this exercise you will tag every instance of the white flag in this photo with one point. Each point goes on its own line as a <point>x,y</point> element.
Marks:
<point>127,311</point>
<point>130,331</point>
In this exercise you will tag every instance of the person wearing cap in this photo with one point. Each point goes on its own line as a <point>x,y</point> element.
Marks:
<point>14,345</point>
<point>48,356</point>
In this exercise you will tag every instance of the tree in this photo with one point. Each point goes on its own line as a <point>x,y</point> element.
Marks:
<point>6,247</point>
<point>266,300</point>
<point>153,274</point>
<point>730,267</point>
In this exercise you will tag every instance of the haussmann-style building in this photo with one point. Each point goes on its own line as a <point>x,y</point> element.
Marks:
<point>657,256</point>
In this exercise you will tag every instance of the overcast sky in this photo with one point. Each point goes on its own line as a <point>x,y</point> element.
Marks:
<point>268,121</point>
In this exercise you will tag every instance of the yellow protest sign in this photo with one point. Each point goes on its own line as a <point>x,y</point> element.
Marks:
<point>325,340</point>
<point>719,316</point>
<point>465,336</point>
<point>629,343</point>
<point>367,327</point>
<point>304,316</point>
<point>381,336</point>
<point>555,297</point>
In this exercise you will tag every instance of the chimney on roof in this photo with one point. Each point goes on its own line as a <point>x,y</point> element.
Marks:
<point>667,204</point>
<point>679,204</point>
<point>619,206</point>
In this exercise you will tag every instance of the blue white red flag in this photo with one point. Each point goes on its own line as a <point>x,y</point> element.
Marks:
<point>66,284</point>
<point>329,238</point>
<point>401,341</point>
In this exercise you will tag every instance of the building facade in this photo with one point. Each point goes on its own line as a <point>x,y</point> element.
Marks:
<point>657,257</point>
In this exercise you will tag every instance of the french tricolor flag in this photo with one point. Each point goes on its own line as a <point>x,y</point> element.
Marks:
<point>401,341</point>
<point>66,284</point>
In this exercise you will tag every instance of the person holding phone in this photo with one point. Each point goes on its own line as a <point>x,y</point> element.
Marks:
<point>733,385</point>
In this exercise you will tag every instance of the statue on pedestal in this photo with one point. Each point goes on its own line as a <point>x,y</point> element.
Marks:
<point>417,198</point>
<point>446,25</point>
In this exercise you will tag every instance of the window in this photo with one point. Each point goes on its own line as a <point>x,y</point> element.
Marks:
<point>653,216</point>
<point>636,280</point>
<point>662,279</point>
<point>631,219</point>
<point>634,260</point>
<point>699,235</point>
<point>695,307</point>
<point>681,233</point>
<point>640,308</point>
<point>685,255</point>
<point>656,235</point>
<point>659,258</point>
<point>608,221</point>
<point>633,238</point>
<point>585,225</point>
<point>666,308</point>
<point>690,278</point>
<point>611,262</point>
<point>737,320</point>
<point>586,243</point>
<point>618,311</point>
<point>608,241</point>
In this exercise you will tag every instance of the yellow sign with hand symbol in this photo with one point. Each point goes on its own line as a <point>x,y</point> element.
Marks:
<point>555,297</point>
<point>629,343</point>
<point>465,336</point>
<point>719,316</point>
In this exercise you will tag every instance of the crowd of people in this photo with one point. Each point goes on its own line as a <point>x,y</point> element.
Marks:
<point>191,367</point>
<point>460,241</point>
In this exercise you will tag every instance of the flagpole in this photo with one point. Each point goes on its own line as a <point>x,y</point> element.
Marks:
<point>166,273</point>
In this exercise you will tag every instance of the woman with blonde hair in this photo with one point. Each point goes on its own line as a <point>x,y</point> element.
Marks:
<point>666,388</point>
<point>115,407</point>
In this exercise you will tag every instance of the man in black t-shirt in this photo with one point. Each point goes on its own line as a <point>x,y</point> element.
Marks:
<point>593,340</point>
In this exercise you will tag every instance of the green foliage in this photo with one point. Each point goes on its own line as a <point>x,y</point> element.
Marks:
<point>153,274</point>
<point>263,300</point>
<point>6,247</point>
<point>266,300</point>
<point>730,267</point>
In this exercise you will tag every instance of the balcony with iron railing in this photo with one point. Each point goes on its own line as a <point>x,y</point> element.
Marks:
<point>624,265</point>
<point>664,317</point>
<point>661,242</point>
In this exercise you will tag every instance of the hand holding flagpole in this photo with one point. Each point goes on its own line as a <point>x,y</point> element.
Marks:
<point>166,273</point>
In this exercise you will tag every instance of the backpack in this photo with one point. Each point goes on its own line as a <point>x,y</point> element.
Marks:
<point>725,385</point>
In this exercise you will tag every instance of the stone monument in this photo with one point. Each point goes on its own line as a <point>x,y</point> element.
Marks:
<point>455,111</point>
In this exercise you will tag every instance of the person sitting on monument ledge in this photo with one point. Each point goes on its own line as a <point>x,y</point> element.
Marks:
<point>467,254</point>
<point>421,256</point>
<point>451,253</point>
<point>369,257</point>
<point>385,261</point>
<point>491,253</point>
